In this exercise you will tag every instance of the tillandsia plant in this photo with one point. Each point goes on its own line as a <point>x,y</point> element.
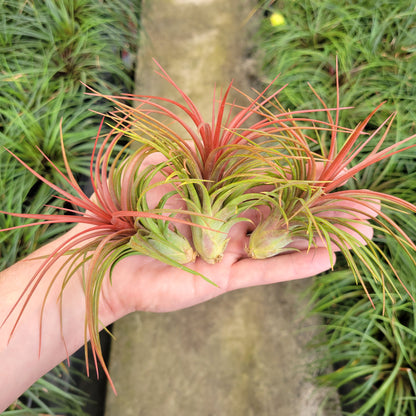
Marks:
<point>327,211</point>
<point>117,225</point>
<point>218,166</point>
<point>134,185</point>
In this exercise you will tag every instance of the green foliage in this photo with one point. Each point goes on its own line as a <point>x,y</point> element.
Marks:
<point>374,44</point>
<point>46,49</point>
<point>373,352</point>
<point>68,41</point>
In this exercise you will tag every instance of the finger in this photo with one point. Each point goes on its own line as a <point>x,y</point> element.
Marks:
<point>358,232</point>
<point>238,240</point>
<point>350,209</point>
<point>286,267</point>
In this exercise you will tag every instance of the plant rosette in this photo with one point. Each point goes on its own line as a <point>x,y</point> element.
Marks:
<point>327,210</point>
<point>117,225</point>
<point>217,165</point>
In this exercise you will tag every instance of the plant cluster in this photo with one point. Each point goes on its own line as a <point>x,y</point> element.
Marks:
<point>263,156</point>
<point>373,352</point>
<point>374,43</point>
<point>282,170</point>
<point>46,48</point>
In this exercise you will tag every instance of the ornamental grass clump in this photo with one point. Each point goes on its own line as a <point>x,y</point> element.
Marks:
<point>372,351</point>
<point>256,163</point>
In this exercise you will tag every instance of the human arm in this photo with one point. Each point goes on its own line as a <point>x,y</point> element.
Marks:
<point>139,283</point>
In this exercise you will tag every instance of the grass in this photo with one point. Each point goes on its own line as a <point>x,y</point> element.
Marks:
<point>374,45</point>
<point>46,49</point>
<point>372,349</point>
<point>373,353</point>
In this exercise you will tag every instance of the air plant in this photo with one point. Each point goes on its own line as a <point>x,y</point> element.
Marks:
<point>327,211</point>
<point>133,185</point>
<point>211,179</point>
<point>117,228</point>
<point>222,169</point>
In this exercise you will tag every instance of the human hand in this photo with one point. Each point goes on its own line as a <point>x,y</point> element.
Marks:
<point>137,283</point>
<point>143,283</point>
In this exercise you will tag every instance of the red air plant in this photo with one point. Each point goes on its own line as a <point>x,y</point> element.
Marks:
<point>223,167</point>
<point>324,209</point>
<point>120,223</point>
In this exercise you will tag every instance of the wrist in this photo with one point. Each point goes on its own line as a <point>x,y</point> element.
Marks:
<point>35,339</point>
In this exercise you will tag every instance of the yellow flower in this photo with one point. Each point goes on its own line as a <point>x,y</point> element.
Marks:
<point>277,19</point>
